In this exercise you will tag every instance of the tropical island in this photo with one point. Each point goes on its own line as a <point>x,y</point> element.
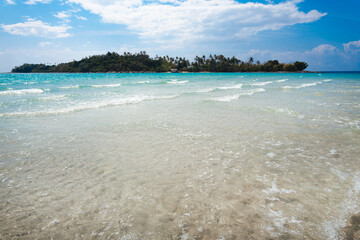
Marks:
<point>141,62</point>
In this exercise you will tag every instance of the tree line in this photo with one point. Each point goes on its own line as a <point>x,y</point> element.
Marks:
<point>141,62</point>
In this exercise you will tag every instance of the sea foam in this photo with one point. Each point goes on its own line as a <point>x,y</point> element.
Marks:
<point>51,98</point>
<point>234,97</point>
<point>90,105</point>
<point>106,85</point>
<point>69,87</point>
<point>237,86</point>
<point>177,82</point>
<point>261,83</point>
<point>302,85</point>
<point>282,80</point>
<point>22,91</point>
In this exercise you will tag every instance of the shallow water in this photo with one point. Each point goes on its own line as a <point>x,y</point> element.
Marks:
<point>178,156</point>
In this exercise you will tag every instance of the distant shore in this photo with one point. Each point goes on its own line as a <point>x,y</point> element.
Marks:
<point>142,63</point>
<point>178,72</point>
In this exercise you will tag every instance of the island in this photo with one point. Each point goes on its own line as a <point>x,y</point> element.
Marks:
<point>142,62</point>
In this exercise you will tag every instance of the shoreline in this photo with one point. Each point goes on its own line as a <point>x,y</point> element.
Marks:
<point>185,72</point>
<point>182,72</point>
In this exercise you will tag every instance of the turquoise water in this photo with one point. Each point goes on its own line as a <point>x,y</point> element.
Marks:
<point>188,156</point>
<point>45,94</point>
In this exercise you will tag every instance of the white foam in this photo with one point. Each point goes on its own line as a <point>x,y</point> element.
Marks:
<point>90,105</point>
<point>106,85</point>
<point>327,80</point>
<point>69,87</point>
<point>282,80</point>
<point>278,219</point>
<point>143,82</point>
<point>206,90</point>
<point>294,220</point>
<point>302,85</point>
<point>22,91</point>
<point>226,98</point>
<point>252,92</point>
<point>50,98</point>
<point>237,86</point>
<point>234,97</point>
<point>348,206</point>
<point>261,83</point>
<point>177,82</point>
<point>274,189</point>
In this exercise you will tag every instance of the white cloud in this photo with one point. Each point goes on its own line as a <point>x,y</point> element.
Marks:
<point>63,15</point>
<point>10,2</point>
<point>36,28</point>
<point>44,44</point>
<point>32,2</point>
<point>81,18</point>
<point>352,47</point>
<point>66,15</point>
<point>181,20</point>
<point>324,48</point>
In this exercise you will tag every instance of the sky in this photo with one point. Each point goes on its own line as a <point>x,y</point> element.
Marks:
<point>323,33</point>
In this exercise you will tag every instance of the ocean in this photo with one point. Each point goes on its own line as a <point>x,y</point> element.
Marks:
<point>179,156</point>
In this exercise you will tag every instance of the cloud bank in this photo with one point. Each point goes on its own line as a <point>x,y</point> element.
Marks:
<point>10,2</point>
<point>33,2</point>
<point>352,47</point>
<point>36,28</point>
<point>182,20</point>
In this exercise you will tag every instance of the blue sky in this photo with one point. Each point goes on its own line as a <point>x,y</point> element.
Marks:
<point>326,34</point>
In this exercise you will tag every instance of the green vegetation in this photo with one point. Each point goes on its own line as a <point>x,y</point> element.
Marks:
<point>141,62</point>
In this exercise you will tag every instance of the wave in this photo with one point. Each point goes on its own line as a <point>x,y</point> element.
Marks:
<point>178,82</point>
<point>205,90</point>
<point>260,83</point>
<point>69,87</point>
<point>237,86</point>
<point>302,85</point>
<point>106,86</point>
<point>281,80</point>
<point>143,82</point>
<point>93,86</point>
<point>22,91</point>
<point>327,80</point>
<point>237,96</point>
<point>226,98</point>
<point>90,105</point>
<point>50,98</point>
<point>252,92</point>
